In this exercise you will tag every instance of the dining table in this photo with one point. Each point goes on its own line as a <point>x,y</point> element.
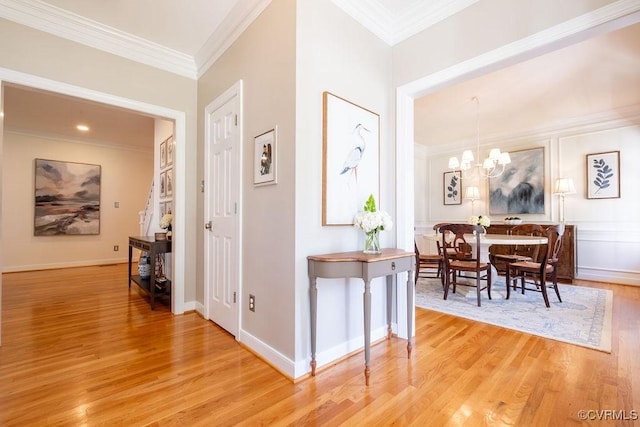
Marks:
<point>487,240</point>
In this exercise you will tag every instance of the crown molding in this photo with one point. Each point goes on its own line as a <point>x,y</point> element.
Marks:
<point>372,15</point>
<point>421,16</point>
<point>53,20</point>
<point>235,23</point>
<point>391,27</point>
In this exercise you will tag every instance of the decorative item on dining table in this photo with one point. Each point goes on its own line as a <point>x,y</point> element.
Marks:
<point>482,220</point>
<point>372,222</point>
<point>165,224</point>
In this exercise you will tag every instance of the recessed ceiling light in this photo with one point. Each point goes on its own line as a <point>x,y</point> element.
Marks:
<point>83,128</point>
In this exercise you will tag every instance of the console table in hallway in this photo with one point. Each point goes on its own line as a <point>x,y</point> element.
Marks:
<point>154,247</point>
<point>366,267</point>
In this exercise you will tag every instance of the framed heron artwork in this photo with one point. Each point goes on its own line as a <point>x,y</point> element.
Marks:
<point>350,159</point>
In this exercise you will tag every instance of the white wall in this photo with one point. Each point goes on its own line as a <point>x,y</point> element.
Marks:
<point>125,179</point>
<point>263,57</point>
<point>608,230</point>
<point>336,54</point>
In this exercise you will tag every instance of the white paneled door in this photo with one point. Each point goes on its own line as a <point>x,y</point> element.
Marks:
<point>222,210</point>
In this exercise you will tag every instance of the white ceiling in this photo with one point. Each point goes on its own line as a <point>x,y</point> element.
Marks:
<point>569,86</point>
<point>53,115</point>
<point>189,35</point>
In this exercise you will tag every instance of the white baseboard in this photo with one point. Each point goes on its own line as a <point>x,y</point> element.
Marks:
<point>197,306</point>
<point>270,355</point>
<point>608,276</point>
<point>193,306</point>
<point>331,355</point>
<point>51,266</point>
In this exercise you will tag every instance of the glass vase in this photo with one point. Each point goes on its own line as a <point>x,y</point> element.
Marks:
<point>372,242</point>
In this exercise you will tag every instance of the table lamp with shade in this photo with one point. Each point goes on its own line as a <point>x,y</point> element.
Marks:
<point>472,193</point>
<point>563,186</point>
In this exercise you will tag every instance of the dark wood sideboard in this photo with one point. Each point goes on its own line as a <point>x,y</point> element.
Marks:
<point>567,264</point>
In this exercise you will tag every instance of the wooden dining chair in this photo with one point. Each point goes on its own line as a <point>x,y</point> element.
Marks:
<point>425,261</point>
<point>447,244</point>
<point>459,260</point>
<point>520,252</point>
<point>544,273</point>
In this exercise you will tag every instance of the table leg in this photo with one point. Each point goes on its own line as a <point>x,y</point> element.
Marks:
<point>313,299</point>
<point>410,310</point>
<point>484,257</point>
<point>389,304</point>
<point>152,279</point>
<point>367,329</point>
<point>130,260</point>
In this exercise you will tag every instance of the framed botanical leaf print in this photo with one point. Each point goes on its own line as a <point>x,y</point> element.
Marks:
<point>603,175</point>
<point>452,188</point>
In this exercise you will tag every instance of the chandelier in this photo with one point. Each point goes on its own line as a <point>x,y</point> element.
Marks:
<point>492,166</point>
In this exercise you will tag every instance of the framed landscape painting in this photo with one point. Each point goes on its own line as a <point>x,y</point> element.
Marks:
<point>67,198</point>
<point>520,188</point>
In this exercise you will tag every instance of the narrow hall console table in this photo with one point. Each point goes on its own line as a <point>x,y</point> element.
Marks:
<point>154,247</point>
<point>366,267</point>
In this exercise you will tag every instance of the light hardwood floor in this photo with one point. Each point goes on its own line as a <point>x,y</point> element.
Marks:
<point>78,348</point>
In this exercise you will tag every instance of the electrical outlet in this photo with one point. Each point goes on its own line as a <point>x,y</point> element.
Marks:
<point>252,303</point>
<point>116,248</point>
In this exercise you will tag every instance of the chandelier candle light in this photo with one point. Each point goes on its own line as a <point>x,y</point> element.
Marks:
<point>372,222</point>
<point>490,167</point>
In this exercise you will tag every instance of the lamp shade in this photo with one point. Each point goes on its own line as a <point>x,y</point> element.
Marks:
<point>454,163</point>
<point>472,193</point>
<point>564,186</point>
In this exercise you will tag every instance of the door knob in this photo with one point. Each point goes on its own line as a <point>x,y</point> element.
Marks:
<point>208,226</point>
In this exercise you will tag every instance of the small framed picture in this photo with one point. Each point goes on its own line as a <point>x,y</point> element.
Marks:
<point>163,154</point>
<point>169,182</point>
<point>265,160</point>
<point>452,188</point>
<point>170,144</point>
<point>603,175</point>
<point>163,209</point>
<point>163,184</point>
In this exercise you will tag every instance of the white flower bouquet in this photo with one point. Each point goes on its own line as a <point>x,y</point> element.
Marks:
<point>482,220</point>
<point>372,222</point>
<point>165,221</point>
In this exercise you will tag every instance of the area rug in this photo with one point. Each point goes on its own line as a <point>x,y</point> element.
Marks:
<point>583,318</point>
